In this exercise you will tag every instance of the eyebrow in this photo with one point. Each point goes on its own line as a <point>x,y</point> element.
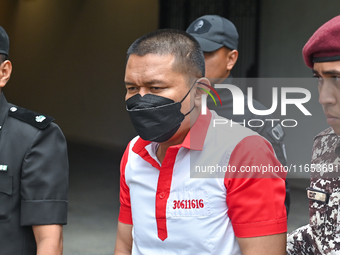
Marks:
<point>328,72</point>
<point>128,83</point>
<point>148,83</point>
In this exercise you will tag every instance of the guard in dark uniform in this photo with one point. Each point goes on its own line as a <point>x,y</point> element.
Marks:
<point>218,38</point>
<point>33,176</point>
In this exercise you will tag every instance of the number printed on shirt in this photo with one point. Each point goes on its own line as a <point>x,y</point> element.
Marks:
<point>188,204</point>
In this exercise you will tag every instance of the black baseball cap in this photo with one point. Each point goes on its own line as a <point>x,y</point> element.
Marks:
<point>4,42</point>
<point>213,32</point>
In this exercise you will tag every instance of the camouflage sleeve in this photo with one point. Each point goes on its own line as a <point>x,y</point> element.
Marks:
<point>324,215</point>
<point>300,242</point>
<point>321,235</point>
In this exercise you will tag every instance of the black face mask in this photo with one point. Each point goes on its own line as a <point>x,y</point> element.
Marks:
<point>155,118</point>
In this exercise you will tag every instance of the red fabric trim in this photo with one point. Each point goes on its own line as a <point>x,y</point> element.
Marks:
<point>139,145</point>
<point>260,228</point>
<point>163,191</point>
<point>256,205</point>
<point>198,131</point>
<point>164,181</point>
<point>125,215</point>
<point>146,156</point>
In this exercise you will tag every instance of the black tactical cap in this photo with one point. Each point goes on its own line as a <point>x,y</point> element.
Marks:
<point>213,32</point>
<point>4,42</point>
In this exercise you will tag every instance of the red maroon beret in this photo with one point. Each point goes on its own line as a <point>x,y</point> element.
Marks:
<point>324,45</point>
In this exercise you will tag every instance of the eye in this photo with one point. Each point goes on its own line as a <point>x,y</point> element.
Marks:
<point>319,79</point>
<point>131,89</point>
<point>336,79</point>
<point>156,89</point>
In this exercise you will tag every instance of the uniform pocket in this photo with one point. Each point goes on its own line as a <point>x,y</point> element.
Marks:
<point>323,213</point>
<point>6,190</point>
<point>317,219</point>
<point>188,204</point>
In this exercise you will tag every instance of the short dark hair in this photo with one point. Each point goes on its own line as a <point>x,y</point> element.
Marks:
<point>189,58</point>
<point>3,58</point>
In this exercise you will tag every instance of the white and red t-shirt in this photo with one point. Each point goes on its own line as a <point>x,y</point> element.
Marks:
<point>176,212</point>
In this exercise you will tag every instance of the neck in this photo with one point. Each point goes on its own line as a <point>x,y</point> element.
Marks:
<point>163,147</point>
<point>220,80</point>
<point>180,135</point>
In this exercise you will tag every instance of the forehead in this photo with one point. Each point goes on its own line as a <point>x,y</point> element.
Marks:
<point>327,67</point>
<point>149,66</point>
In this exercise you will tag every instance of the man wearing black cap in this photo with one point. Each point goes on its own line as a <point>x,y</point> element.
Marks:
<point>322,234</point>
<point>33,176</point>
<point>218,39</point>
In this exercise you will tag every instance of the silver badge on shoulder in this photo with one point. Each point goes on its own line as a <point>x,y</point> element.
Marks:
<point>318,195</point>
<point>3,167</point>
<point>277,132</point>
<point>40,118</point>
<point>13,109</point>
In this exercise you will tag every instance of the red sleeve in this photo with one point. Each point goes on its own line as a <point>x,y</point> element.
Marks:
<point>125,215</point>
<point>256,205</point>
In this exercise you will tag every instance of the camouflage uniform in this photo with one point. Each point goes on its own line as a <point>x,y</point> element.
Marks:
<point>322,234</point>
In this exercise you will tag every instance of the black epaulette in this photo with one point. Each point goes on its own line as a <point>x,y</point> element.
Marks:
<point>33,118</point>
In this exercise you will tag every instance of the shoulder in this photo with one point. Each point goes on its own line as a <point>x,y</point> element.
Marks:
<point>35,119</point>
<point>265,125</point>
<point>324,147</point>
<point>224,134</point>
<point>257,105</point>
<point>326,138</point>
<point>139,142</point>
<point>221,125</point>
<point>327,132</point>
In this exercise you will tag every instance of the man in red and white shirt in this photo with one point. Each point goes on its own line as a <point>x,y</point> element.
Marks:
<point>173,199</point>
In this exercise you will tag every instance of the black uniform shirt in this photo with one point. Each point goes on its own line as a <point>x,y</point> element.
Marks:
<point>33,177</point>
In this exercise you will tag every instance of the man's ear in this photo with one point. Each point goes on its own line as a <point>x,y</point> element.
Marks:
<point>5,72</point>
<point>231,59</point>
<point>201,89</point>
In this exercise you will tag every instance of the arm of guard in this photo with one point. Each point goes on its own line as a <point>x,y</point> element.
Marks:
<point>44,179</point>
<point>49,239</point>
